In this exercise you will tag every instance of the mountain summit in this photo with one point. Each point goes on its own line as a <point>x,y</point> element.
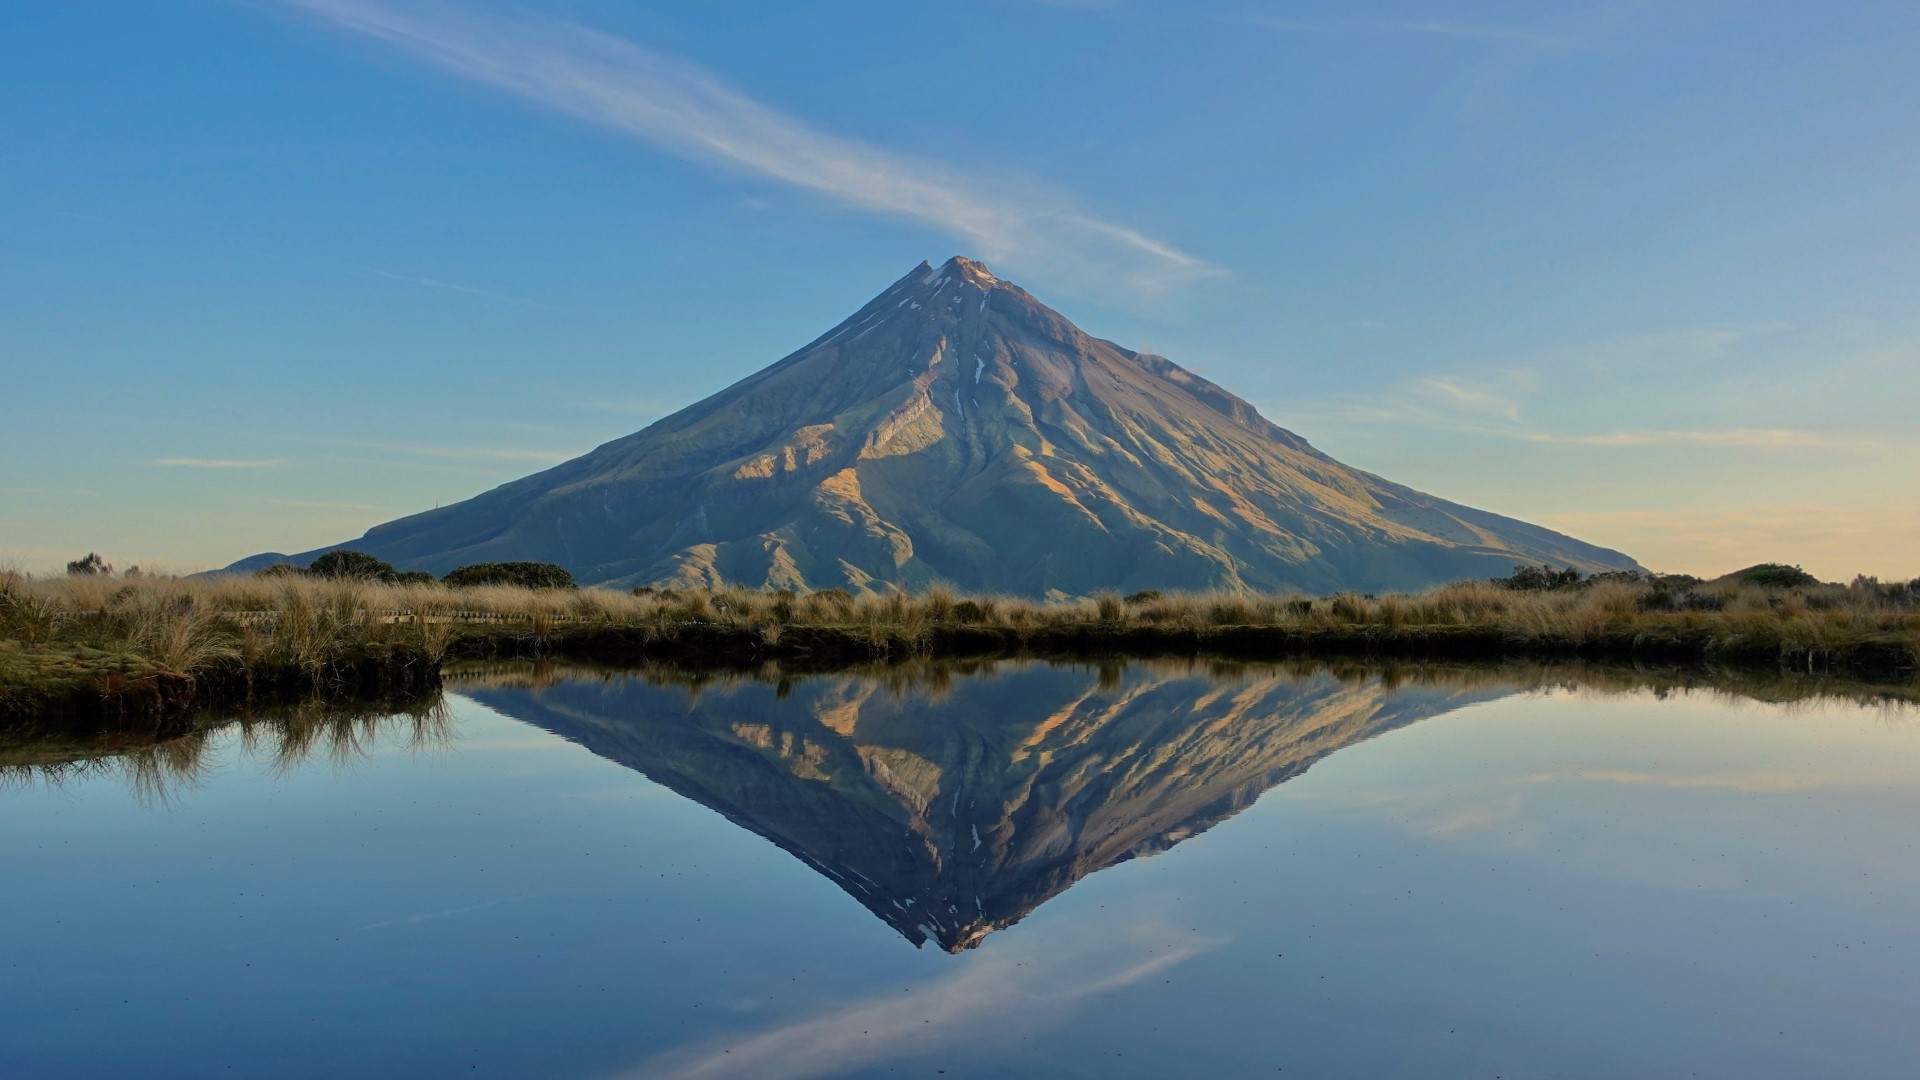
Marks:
<point>957,430</point>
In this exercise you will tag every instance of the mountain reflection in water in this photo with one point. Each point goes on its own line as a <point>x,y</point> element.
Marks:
<point>1499,893</point>
<point>951,798</point>
<point>951,807</point>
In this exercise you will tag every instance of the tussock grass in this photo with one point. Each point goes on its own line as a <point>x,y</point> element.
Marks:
<point>314,632</point>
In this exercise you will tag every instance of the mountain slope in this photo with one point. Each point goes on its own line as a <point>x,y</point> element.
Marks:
<point>957,430</point>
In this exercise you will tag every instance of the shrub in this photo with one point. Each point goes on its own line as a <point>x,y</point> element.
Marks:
<point>528,575</point>
<point>1663,598</point>
<point>1348,608</point>
<point>1540,578</point>
<point>89,566</point>
<point>1895,593</point>
<point>937,603</point>
<point>279,570</point>
<point>353,565</point>
<point>1144,596</point>
<point>413,577</point>
<point>968,611</point>
<point>697,606</point>
<point>1775,575</point>
<point>1231,609</point>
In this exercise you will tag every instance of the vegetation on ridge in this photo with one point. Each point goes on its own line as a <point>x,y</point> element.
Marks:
<point>343,563</point>
<point>530,575</point>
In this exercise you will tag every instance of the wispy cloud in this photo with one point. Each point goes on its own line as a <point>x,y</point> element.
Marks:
<point>1479,400</point>
<point>1501,805</point>
<point>1755,782</point>
<point>624,406</point>
<point>466,453</point>
<point>684,110</point>
<point>1431,28</point>
<point>1474,816</point>
<point>216,463</point>
<point>993,991</point>
<point>1487,404</point>
<point>1491,406</point>
<point>434,283</point>
<point>1749,438</point>
<point>430,916</point>
<point>322,504</point>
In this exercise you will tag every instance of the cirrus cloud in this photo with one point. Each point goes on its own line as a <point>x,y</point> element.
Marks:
<point>684,110</point>
<point>216,463</point>
<point>1430,28</point>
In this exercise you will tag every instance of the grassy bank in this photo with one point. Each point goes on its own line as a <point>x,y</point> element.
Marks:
<point>98,648</point>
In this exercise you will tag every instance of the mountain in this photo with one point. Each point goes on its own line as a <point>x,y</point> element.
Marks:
<point>956,430</point>
<point>954,808</point>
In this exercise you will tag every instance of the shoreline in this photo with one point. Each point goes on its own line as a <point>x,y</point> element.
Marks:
<point>121,694</point>
<point>131,651</point>
<point>100,691</point>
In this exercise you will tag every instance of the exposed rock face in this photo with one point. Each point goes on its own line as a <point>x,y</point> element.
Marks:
<point>953,811</point>
<point>957,430</point>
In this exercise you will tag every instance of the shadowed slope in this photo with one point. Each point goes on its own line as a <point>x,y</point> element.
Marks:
<point>957,430</point>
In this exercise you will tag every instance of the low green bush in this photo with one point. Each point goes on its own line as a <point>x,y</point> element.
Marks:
<point>90,565</point>
<point>1541,578</point>
<point>355,565</point>
<point>1775,575</point>
<point>529,575</point>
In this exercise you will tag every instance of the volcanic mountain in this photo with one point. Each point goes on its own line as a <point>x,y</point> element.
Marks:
<point>955,430</point>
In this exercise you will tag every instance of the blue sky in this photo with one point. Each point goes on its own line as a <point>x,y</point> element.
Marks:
<point>273,271</point>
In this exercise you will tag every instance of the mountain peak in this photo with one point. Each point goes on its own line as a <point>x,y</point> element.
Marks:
<point>959,268</point>
<point>970,270</point>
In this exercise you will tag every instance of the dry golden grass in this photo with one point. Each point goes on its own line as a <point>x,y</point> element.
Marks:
<point>249,624</point>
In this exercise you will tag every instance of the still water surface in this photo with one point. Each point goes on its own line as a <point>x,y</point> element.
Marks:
<point>1012,870</point>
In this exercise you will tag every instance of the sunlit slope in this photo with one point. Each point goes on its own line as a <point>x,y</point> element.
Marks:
<point>957,430</point>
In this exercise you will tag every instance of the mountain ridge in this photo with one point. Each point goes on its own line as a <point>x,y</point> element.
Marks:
<point>955,430</point>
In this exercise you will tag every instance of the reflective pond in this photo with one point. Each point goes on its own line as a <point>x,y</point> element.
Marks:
<point>989,870</point>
